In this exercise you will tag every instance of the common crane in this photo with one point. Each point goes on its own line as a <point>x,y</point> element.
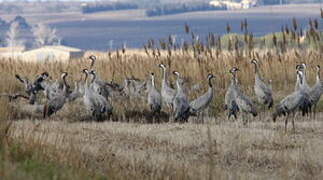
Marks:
<point>153,97</point>
<point>95,103</point>
<point>167,92</point>
<point>181,107</point>
<point>230,103</point>
<point>33,88</point>
<point>56,88</point>
<point>203,101</point>
<point>244,104</point>
<point>104,88</point>
<point>134,88</point>
<point>316,91</point>
<point>56,103</point>
<point>302,67</point>
<point>291,103</point>
<point>262,90</point>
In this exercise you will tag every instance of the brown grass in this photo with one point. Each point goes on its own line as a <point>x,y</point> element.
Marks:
<point>218,149</point>
<point>180,151</point>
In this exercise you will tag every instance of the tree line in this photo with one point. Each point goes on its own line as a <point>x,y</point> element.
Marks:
<point>17,32</point>
<point>180,8</point>
<point>97,7</point>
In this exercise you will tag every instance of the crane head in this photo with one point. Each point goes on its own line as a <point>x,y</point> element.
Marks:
<point>210,76</point>
<point>85,71</point>
<point>254,61</point>
<point>233,70</point>
<point>93,59</point>
<point>92,72</point>
<point>301,67</point>
<point>64,74</point>
<point>297,66</point>
<point>44,75</point>
<point>318,67</point>
<point>162,66</point>
<point>176,73</point>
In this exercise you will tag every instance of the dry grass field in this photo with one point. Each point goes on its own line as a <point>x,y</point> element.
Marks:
<point>219,149</point>
<point>131,148</point>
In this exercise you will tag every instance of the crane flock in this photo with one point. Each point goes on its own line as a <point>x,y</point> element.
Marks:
<point>97,94</point>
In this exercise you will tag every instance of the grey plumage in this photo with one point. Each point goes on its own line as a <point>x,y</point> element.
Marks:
<point>305,89</point>
<point>56,103</point>
<point>230,103</point>
<point>33,88</point>
<point>203,101</point>
<point>262,90</point>
<point>302,68</point>
<point>293,102</point>
<point>95,103</point>
<point>103,88</point>
<point>75,94</point>
<point>181,107</point>
<point>134,88</point>
<point>153,97</point>
<point>243,102</point>
<point>52,90</point>
<point>316,91</point>
<point>167,92</point>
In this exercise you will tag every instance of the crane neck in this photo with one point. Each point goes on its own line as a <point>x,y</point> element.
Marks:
<point>256,68</point>
<point>234,78</point>
<point>153,81</point>
<point>179,87</point>
<point>164,75</point>
<point>86,83</point>
<point>318,76</point>
<point>65,85</point>
<point>85,78</point>
<point>210,82</point>
<point>93,77</point>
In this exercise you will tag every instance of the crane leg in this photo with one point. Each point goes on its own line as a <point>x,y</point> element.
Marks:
<point>244,119</point>
<point>293,122</point>
<point>286,122</point>
<point>314,112</point>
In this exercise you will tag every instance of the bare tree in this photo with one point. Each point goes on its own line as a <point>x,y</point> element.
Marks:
<point>44,35</point>
<point>13,36</point>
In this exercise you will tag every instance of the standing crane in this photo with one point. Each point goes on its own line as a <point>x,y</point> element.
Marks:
<point>230,103</point>
<point>203,101</point>
<point>181,107</point>
<point>94,102</point>
<point>56,103</point>
<point>262,90</point>
<point>153,97</point>
<point>167,92</point>
<point>317,90</point>
<point>292,103</point>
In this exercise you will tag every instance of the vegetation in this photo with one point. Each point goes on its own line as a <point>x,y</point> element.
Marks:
<point>97,7</point>
<point>167,9</point>
<point>67,147</point>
